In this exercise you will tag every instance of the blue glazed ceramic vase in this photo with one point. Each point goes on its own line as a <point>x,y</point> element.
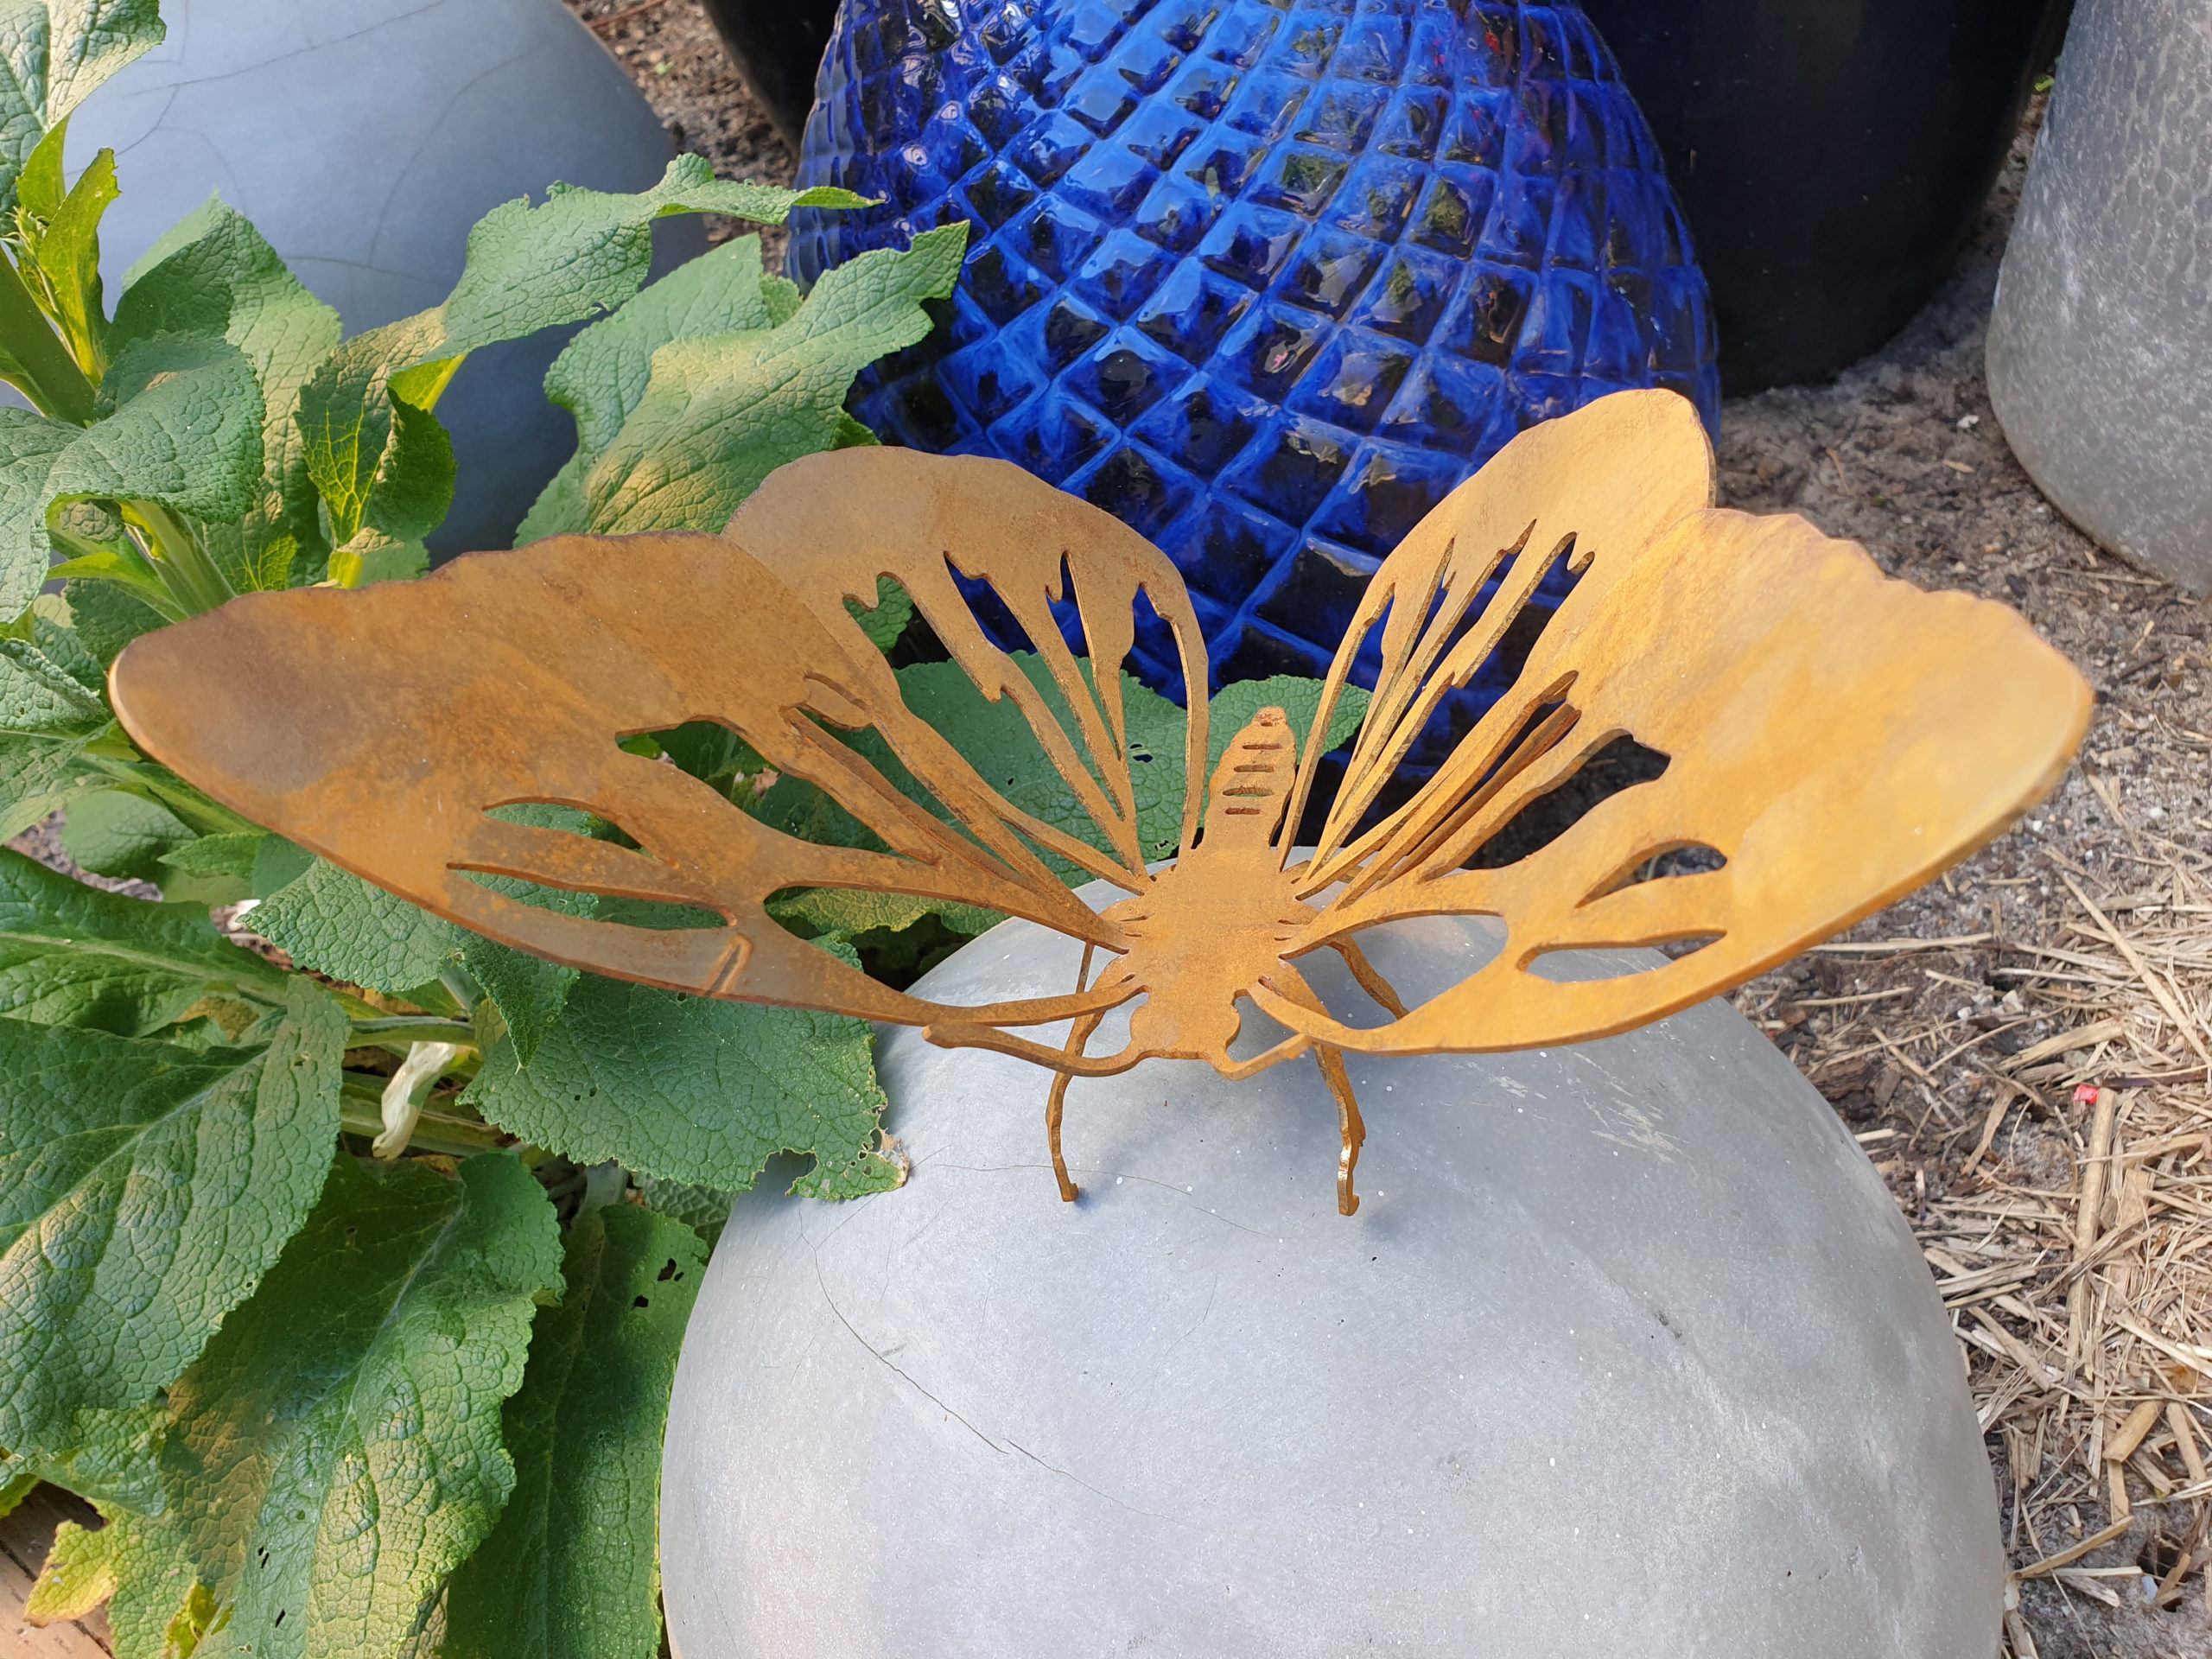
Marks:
<point>1264,278</point>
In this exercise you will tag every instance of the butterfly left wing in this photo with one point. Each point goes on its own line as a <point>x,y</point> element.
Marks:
<point>390,729</point>
<point>1834,736</point>
<point>832,524</point>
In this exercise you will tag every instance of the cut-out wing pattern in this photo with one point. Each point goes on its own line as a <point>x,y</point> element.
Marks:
<point>1834,736</point>
<point>381,729</point>
<point>1831,738</point>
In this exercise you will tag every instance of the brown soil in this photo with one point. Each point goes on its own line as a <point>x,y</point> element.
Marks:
<point>673,53</point>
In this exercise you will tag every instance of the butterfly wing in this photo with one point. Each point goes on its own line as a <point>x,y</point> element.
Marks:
<point>1832,738</point>
<point>832,524</point>
<point>384,728</point>
<point>1597,486</point>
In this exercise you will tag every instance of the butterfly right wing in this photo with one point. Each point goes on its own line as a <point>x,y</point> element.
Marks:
<point>1832,738</point>
<point>1601,484</point>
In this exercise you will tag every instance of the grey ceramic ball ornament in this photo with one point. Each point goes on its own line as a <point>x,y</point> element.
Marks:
<point>363,138</point>
<point>1627,1352</point>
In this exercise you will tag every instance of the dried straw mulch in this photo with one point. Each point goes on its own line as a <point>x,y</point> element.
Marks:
<point>2068,1220</point>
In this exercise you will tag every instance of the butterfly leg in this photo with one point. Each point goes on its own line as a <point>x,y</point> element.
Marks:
<point>1370,979</point>
<point>1351,1127</point>
<point>1077,1036</point>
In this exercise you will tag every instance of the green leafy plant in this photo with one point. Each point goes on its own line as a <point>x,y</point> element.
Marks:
<point>344,1260</point>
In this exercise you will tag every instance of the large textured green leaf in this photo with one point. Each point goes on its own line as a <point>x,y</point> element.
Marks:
<point>603,371</point>
<point>212,870</point>
<point>113,833</point>
<point>692,1089</point>
<point>529,992</point>
<point>579,252</point>
<point>107,616</point>
<point>575,255</point>
<point>1230,710</point>
<point>186,433</point>
<point>414,485</point>
<point>160,1611</point>
<point>51,58</point>
<point>48,716</point>
<point>373,464</point>
<point>212,275</point>
<point>721,412</point>
<point>31,446</point>
<point>894,608</point>
<point>995,738</point>
<point>560,509</point>
<point>702,1209</point>
<point>336,1452</point>
<point>333,922</point>
<point>51,626</point>
<point>847,910</point>
<point>70,954</point>
<point>571,1572</point>
<point>144,1189</point>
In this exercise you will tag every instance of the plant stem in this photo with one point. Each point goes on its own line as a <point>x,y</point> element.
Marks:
<point>406,1028</point>
<point>56,386</point>
<point>164,787</point>
<point>191,575</point>
<point>360,1111</point>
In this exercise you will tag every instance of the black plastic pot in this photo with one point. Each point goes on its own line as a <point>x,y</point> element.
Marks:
<point>776,45</point>
<point>1830,155</point>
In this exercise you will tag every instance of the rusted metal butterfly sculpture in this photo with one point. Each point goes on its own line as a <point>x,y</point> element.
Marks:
<point>1835,737</point>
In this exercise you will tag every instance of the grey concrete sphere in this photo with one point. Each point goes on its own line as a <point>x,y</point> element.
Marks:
<point>363,138</point>
<point>1627,1352</point>
<point>2100,344</point>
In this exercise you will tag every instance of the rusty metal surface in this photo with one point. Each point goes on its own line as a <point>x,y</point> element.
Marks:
<point>1835,738</point>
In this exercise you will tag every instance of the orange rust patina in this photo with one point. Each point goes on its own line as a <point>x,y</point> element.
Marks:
<point>1833,739</point>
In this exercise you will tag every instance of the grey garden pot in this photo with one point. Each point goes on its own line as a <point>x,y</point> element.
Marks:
<point>2100,344</point>
<point>1627,1352</point>
<point>363,138</point>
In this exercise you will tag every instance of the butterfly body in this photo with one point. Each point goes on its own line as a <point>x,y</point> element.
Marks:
<point>1832,739</point>
<point>1210,925</point>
